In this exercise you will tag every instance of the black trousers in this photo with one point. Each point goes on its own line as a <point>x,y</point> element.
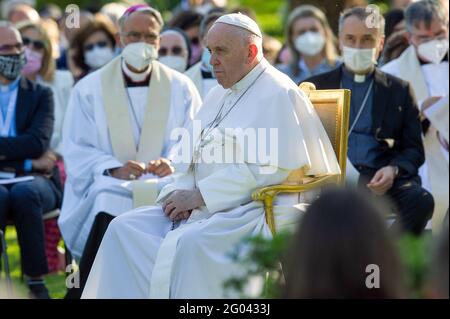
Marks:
<point>25,203</point>
<point>98,230</point>
<point>412,203</point>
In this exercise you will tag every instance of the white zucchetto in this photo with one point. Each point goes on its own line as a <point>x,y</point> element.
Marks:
<point>242,21</point>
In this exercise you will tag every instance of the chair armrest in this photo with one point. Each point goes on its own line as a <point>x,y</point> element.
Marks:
<point>269,193</point>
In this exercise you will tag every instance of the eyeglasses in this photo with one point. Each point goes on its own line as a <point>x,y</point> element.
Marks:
<point>91,46</point>
<point>137,36</point>
<point>11,47</point>
<point>176,50</point>
<point>37,44</point>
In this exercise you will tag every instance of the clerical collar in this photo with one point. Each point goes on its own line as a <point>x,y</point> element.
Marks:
<point>357,78</point>
<point>247,80</point>
<point>10,87</point>
<point>135,77</point>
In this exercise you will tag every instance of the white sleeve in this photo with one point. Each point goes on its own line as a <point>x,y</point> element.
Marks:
<point>233,186</point>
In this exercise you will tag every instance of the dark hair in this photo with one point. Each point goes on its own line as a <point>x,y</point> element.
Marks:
<point>84,33</point>
<point>339,236</point>
<point>424,11</point>
<point>393,18</point>
<point>186,41</point>
<point>207,20</point>
<point>186,20</point>
<point>394,46</point>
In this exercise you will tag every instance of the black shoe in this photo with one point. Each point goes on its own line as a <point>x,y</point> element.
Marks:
<point>38,290</point>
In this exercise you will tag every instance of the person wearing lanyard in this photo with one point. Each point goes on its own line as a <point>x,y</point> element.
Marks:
<point>26,125</point>
<point>384,144</point>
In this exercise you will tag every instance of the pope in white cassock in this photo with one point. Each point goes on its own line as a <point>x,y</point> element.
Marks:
<point>424,64</point>
<point>180,248</point>
<point>116,134</point>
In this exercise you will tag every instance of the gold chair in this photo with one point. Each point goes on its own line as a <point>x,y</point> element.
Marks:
<point>332,107</point>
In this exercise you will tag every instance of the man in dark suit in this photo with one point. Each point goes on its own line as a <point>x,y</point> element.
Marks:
<point>26,125</point>
<point>385,143</point>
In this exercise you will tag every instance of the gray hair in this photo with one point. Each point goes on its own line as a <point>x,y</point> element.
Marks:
<point>150,11</point>
<point>424,11</point>
<point>251,38</point>
<point>363,13</point>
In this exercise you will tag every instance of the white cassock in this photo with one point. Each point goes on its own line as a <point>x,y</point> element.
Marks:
<point>141,257</point>
<point>203,85</point>
<point>428,80</point>
<point>93,144</point>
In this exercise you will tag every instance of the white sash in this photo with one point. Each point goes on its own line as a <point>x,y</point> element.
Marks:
<point>151,141</point>
<point>436,164</point>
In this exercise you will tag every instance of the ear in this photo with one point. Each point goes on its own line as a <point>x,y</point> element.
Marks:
<point>252,53</point>
<point>381,44</point>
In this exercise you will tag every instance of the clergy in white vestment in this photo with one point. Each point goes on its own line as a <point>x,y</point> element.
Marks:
<point>202,73</point>
<point>425,65</point>
<point>180,248</point>
<point>116,136</point>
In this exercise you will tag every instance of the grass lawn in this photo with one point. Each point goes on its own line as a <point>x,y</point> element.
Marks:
<point>55,282</point>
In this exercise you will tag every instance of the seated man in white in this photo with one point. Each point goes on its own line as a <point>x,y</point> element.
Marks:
<point>180,249</point>
<point>117,129</point>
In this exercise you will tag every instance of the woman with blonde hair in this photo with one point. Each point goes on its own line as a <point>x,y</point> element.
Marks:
<point>311,43</point>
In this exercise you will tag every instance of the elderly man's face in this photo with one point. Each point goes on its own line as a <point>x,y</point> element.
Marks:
<point>10,42</point>
<point>229,55</point>
<point>141,27</point>
<point>356,34</point>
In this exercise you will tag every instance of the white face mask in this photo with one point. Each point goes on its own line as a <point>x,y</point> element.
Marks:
<point>98,57</point>
<point>310,43</point>
<point>433,51</point>
<point>177,63</point>
<point>359,60</point>
<point>139,55</point>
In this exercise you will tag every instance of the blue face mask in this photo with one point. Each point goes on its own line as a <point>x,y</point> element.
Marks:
<point>206,57</point>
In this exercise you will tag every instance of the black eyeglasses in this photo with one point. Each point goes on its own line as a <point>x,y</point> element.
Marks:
<point>176,50</point>
<point>100,44</point>
<point>37,44</point>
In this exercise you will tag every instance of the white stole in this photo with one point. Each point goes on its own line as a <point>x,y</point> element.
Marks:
<point>437,166</point>
<point>151,141</point>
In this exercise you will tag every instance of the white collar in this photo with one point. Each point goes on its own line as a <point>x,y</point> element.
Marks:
<point>251,76</point>
<point>135,77</point>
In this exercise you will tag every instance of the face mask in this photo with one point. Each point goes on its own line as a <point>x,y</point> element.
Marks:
<point>98,57</point>
<point>11,65</point>
<point>206,57</point>
<point>139,55</point>
<point>196,52</point>
<point>310,43</point>
<point>34,62</point>
<point>359,60</point>
<point>177,63</point>
<point>434,50</point>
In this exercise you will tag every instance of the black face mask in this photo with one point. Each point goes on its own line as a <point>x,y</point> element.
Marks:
<point>11,65</point>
